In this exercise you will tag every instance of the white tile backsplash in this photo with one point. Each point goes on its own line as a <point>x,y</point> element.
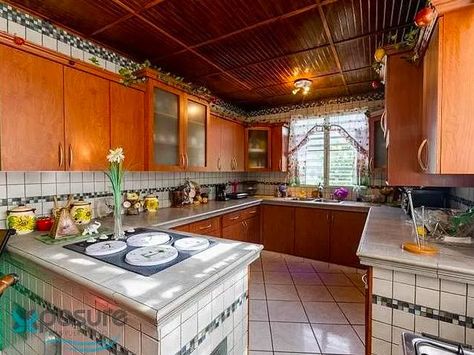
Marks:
<point>453,303</point>
<point>427,297</point>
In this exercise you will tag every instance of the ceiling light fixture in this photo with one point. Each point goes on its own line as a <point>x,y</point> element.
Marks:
<point>303,85</point>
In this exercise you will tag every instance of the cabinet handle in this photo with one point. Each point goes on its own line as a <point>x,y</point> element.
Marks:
<point>181,160</point>
<point>61,155</point>
<point>205,227</point>
<point>70,155</point>
<point>245,224</point>
<point>280,165</point>
<point>186,161</point>
<point>382,123</point>
<point>219,163</point>
<point>364,280</point>
<point>422,165</point>
<point>235,160</point>
<point>252,212</point>
<point>233,163</point>
<point>234,218</point>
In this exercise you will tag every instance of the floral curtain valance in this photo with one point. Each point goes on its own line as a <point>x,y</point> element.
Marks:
<point>353,127</point>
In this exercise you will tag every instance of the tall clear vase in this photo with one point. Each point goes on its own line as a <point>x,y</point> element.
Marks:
<point>118,228</point>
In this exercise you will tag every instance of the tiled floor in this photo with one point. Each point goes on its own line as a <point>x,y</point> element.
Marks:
<point>302,306</point>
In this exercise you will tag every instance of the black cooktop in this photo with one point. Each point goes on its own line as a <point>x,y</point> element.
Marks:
<point>118,259</point>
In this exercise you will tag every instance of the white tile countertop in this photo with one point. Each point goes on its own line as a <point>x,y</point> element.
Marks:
<point>387,228</point>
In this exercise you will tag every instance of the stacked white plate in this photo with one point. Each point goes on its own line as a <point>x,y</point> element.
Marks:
<point>191,244</point>
<point>148,239</point>
<point>152,255</point>
<point>106,248</point>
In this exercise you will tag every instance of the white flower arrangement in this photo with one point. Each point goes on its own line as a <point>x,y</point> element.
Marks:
<point>116,155</point>
<point>115,174</point>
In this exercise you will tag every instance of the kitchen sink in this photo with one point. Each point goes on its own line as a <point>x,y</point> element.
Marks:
<point>316,200</point>
<point>414,344</point>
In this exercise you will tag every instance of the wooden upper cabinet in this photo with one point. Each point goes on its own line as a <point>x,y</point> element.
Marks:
<point>166,127</point>
<point>127,119</point>
<point>258,148</point>
<point>31,111</point>
<point>238,146</point>
<point>312,233</point>
<point>214,144</point>
<point>227,145</point>
<point>197,134</point>
<point>448,94</point>
<point>87,120</point>
<point>279,148</point>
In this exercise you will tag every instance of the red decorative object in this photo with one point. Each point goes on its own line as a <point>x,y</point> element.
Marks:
<point>44,224</point>
<point>376,84</point>
<point>18,40</point>
<point>424,17</point>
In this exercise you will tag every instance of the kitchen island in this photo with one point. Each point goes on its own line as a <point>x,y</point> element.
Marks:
<point>431,294</point>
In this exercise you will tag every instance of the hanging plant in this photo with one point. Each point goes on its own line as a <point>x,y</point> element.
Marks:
<point>128,74</point>
<point>94,61</point>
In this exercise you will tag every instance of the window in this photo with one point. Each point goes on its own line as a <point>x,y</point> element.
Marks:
<point>328,149</point>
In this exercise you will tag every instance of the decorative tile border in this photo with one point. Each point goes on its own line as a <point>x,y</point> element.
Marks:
<point>216,323</point>
<point>443,316</point>
<point>67,318</point>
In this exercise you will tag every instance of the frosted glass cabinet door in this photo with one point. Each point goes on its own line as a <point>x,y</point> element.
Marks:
<point>258,149</point>
<point>196,134</point>
<point>166,128</point>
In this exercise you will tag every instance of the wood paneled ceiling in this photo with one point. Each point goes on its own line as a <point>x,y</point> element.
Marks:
<point>248,52</point>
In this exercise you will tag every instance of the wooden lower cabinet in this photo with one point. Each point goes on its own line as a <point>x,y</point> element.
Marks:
<point>234,231</point>
<point>278,228</point>
<point>253,229</point>
<point>312,233</point>
<point>183,228</point>
<point>346,230</point>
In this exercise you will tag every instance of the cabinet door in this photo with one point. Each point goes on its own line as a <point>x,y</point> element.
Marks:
<point>253,229</point>
<point>166,129</point>
<point>312,233</point>
<point>214,162</point>
<point>346,230</point>
<point>258,155</point>
<point>196,134</point>
<point>227,149</point>
<point>87,120</point>
<point>31,111</point>
<point>127,119</point>
<point>234,231</point>
<point>280,137</point>
<point>183,228</point>
<point>278,228</point>
<point>238,145</point>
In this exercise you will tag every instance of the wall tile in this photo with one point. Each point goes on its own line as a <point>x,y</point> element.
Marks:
<point>381,331</point>
<point>3,24</point>
<point>381,347</point>
<point>16,191</point>
<point>404,277</point>
<point>427,297</point>
<point>382,288</point>
<point>15,178</point>
<point>403,319</point>
<point>427,282</point>
<point>33,177</point>
<point>383,274</point>
<point>381,313</point>
<point>454,287</point>
<point>452,332</point>
<point>49,42</point>
<point>453,303</point>
<point>426,325</point>
<point>404,292</point>
<point>33,36</point>
<point>16,29</point>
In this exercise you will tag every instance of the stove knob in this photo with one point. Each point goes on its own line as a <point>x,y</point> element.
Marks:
<point>103,237</point>
<point>91,240</point>
<point>131,230</point>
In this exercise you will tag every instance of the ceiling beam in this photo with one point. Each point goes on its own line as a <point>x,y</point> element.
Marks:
<point>252,27</point>
<point>290,54</point>
<point>328,33</point>
<point>179,42</point>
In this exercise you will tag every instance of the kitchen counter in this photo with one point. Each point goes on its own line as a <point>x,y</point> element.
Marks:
<point>385,231</point>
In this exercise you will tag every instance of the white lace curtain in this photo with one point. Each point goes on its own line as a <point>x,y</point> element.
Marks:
<point>353,127</point>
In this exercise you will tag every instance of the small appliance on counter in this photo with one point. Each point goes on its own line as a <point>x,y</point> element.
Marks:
<point>428,197</point>
<point>221,194</point>
<point>250,187</point>
<point>144,251</point>
<point>237,195</point>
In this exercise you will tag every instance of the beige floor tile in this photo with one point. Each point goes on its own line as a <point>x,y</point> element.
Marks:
<point>321,266</point>
<point>271,255</point>
<point>338,339</point>
<point>256,265</point>
<point>259,336</point>
<point>324,312</point>
<point>256,291</point>
<point>300,267</point>
<point>256,277</point>
<point>258,310</point>
<point>306,278</point>
<point>287,311</point>
<point>360,330</point>
<point>335,279</point>
<point>274,266</point>
<point>278,278</point>
<point>314,293</point>
<point>260,352</point>
<point>356,280</point>
<point>281,292</point>
<point>346,294</point>
<point>294,259</point>
<point>355,312</point>
<point>293,337</point>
